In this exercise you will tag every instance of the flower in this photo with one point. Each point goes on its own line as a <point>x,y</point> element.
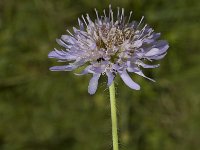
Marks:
<point>110,46</point>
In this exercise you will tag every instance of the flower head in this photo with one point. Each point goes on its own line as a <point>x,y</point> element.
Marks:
<point>110,46</point>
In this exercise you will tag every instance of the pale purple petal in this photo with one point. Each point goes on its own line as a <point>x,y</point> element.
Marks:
<point>93,83</point>
<point>85,71</point>
<point>158,57</point>
<point>81,24</point>
<point>97,69</point>
<point>61,55</point>
<point>62,68</point>
<point>162,46</point>
<point>159,48</point>
<point>128,81</point>
<point>151,38</point>
<point>137,43</point>
<point>140,63</point>
<point>79,63</point>
<point>69,67</point>
<point>110,78</point>
<point>68,39</point>
<point>152,52</point>
<point>142,74</point>
<point>61,43</point>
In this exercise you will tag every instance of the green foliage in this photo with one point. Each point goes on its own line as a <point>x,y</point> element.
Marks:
<point>43,110</point>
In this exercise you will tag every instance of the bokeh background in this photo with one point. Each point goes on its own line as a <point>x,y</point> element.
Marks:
<point>43,110</point>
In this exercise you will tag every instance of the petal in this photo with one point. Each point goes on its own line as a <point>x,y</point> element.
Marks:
<point>69,67</point>
<point>159,48</point>
<point>161,43</point>
<point>152,52</point>
<point>132,69</point>
<point>151,38</point>
<point>53,54</point>
<point>68,39</point>
<point>78,63</point>
<point>162,46</point>
<point>75,30</point>
<point>61,55</point>
<point>140,63</point>
<point>158,56</point>
<point>80,24</point>
<point>128,81</point>
<point>137,43</point>
<point>85,71</point>
<point>93,83</point>
<point>142,74</point>
<point>61,43</point>
<point>97,68</point>
<point>62,68</point>
<point>110,78</point>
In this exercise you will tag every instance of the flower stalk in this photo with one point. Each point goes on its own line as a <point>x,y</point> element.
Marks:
<point>113,116</point>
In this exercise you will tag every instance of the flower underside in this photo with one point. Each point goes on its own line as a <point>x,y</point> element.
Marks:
<point>110,47</point>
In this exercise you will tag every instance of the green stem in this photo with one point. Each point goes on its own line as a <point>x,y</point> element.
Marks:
<point>113,116</point>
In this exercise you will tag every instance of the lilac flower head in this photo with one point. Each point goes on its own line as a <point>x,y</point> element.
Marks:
<point>109,46</point>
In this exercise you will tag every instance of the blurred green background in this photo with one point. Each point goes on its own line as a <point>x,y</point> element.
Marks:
<point>43,110</point>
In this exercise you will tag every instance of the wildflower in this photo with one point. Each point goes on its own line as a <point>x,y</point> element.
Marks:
<point>110,46</point>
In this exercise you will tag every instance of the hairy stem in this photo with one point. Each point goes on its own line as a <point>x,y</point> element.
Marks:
<point>113,116</point>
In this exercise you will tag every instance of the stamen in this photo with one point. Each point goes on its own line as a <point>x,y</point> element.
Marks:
<point>112,18</point>
<point>88,18</point>
<point>140,21</point>
<point>129,17</point>
<point>104,11</point>
<point>79,22</point>
<point>84,20</point>
<point>78,39</point>
<point>110,11</point>
<point>96,14</point>
<point>111,14</point>
<point>122,15</point>
<point>70,33</point>
<point>149,33</point>
<point>118,13</point>
<point>144,27</point>
<point>142,31</point>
